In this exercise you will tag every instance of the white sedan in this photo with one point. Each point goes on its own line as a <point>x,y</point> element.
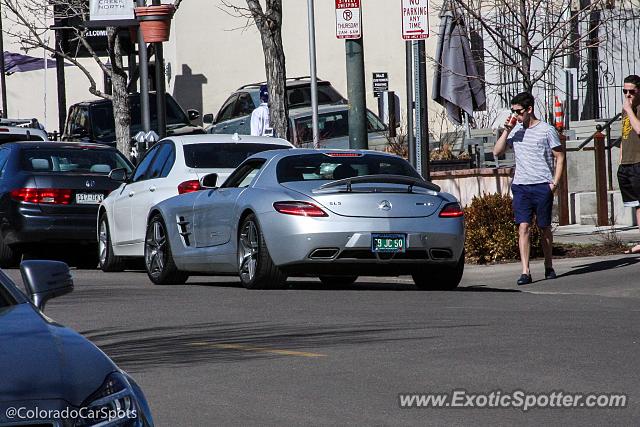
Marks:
<point>173,166</point>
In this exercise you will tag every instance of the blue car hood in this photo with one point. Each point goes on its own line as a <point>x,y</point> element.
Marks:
<point>43,360</point>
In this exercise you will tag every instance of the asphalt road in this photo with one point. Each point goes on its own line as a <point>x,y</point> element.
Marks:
<point>212,353</point>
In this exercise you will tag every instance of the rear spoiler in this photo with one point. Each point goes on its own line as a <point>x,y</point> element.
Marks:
<point>381,179</point>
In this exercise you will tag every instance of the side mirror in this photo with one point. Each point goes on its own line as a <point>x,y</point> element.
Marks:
<point>208,119</point>
<point>209,181</point>
<point>118,174</point>
<point>44,280</point>
<point>193,114</point>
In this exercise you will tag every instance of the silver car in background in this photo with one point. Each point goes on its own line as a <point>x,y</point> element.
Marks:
<point>329,213</point>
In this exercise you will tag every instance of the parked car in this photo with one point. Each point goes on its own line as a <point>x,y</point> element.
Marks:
<point>173,166</point>
<point>333,128</point>
<point>330,213</point>
<point>50,192</point>
<point>235,113</point>
<point>92,121</point>
<point>51,375</point>
<point>12,130</point>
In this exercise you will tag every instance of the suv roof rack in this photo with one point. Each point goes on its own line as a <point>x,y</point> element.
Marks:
<point>289,79</point>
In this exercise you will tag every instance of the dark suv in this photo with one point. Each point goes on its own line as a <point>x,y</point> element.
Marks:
<point>235,114</point>
<point>92,121</point>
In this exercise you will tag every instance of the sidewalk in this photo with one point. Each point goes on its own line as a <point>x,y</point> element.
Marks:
<point>590,234</point>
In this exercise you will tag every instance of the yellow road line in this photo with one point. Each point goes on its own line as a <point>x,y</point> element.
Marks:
<point>244,347</point>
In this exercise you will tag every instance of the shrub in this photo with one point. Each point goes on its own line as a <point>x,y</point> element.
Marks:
<point>491,233</point>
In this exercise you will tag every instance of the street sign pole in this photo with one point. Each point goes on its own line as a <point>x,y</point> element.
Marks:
<point>349,27</point>
<point>409,85</point>
<point>313,72</point>
<point>415,27</point>
<point>144,85</point>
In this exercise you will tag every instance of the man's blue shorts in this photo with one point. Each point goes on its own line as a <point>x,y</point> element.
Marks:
<point>529,199</point>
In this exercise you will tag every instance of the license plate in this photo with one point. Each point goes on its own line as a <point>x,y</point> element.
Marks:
<point>388,242</point>
<point>89,198</point>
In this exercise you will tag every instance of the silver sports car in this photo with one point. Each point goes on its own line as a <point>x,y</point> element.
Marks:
<point>329,213</point>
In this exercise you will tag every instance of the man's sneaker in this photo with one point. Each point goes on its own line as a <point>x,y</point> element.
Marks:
<point>524,279</point>
<point>549,273</point>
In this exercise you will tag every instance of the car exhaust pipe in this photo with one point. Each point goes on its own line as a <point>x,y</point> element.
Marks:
<point>437,254</point>
<point>324,253</point>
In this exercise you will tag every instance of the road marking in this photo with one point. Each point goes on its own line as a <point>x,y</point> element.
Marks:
<point>244,347</point>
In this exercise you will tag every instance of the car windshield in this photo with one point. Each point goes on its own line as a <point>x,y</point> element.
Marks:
<point>223,156</point>
<point>301,96</point>
<point>72,160</point>
<point>332,125</point>
<point>103,123</point>
<point>332,166</point>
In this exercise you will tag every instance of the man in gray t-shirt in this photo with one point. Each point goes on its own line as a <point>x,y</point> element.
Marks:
<point>536,146</point>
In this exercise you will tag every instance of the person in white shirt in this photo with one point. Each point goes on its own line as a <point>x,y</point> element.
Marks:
<point>260,125</point>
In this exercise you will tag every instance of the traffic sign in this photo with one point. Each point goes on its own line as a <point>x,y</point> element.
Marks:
<point>415,19</point>
<point>380,83</point>
<point>348,25</point>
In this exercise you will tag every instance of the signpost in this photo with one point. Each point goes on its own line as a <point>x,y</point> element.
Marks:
<point>380,83</point>
<point>415,19</point>
<point>348,23</point>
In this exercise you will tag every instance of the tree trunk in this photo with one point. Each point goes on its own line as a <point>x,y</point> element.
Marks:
<point>120,98</point>
<point>269,23</point>
<point>274,63</point>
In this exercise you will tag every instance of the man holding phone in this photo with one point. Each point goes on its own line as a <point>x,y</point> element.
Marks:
<point>536,145</point>
<point>629,169</point>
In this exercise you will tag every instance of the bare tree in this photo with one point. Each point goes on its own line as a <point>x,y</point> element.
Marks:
<point>526,40</point>
<point>28,22</point>
<point>268,20</point>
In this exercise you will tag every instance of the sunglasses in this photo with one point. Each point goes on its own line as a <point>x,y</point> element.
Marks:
<point>627,91</point>
<point>518,111</point>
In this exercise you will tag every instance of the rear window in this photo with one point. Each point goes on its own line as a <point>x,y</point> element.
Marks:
<point>301,96</point>
<point>316,167</point>
<point>223,156</point>
<point>72,160</point>
<point>332,125</point>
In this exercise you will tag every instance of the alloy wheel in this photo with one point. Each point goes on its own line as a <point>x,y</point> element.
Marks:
<point>103,242</point>
<point>155,249</point>
<point>248,250</point>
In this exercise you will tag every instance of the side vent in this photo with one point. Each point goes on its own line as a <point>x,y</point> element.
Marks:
<point>183,229</point>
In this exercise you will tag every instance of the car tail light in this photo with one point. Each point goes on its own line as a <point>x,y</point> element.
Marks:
<point>54,196</point>
<point>452,210</point>
<point>189,186</point>
<point>343,154</point>
<point>299,208</point>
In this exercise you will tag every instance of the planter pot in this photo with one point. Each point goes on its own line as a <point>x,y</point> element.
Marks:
<point>155,22</point>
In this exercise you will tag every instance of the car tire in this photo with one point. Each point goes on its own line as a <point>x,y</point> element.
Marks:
<point>338,281</point>
<point>158,259</point>
<point>107,261</point>
<point>440,278</point>
<point>255,266</point>
<point>9,257</point>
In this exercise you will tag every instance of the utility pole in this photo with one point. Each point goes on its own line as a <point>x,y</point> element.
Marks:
<point>61,46</point>
<point>422,112</point>
<point>161,105</point>
<point>3,81</point>
<point>356,94</point>
<point>313,72</point>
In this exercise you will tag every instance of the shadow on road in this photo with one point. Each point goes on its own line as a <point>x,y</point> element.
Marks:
<point>315,285</point>
<point>148,348</point>
<point>602,266</point>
